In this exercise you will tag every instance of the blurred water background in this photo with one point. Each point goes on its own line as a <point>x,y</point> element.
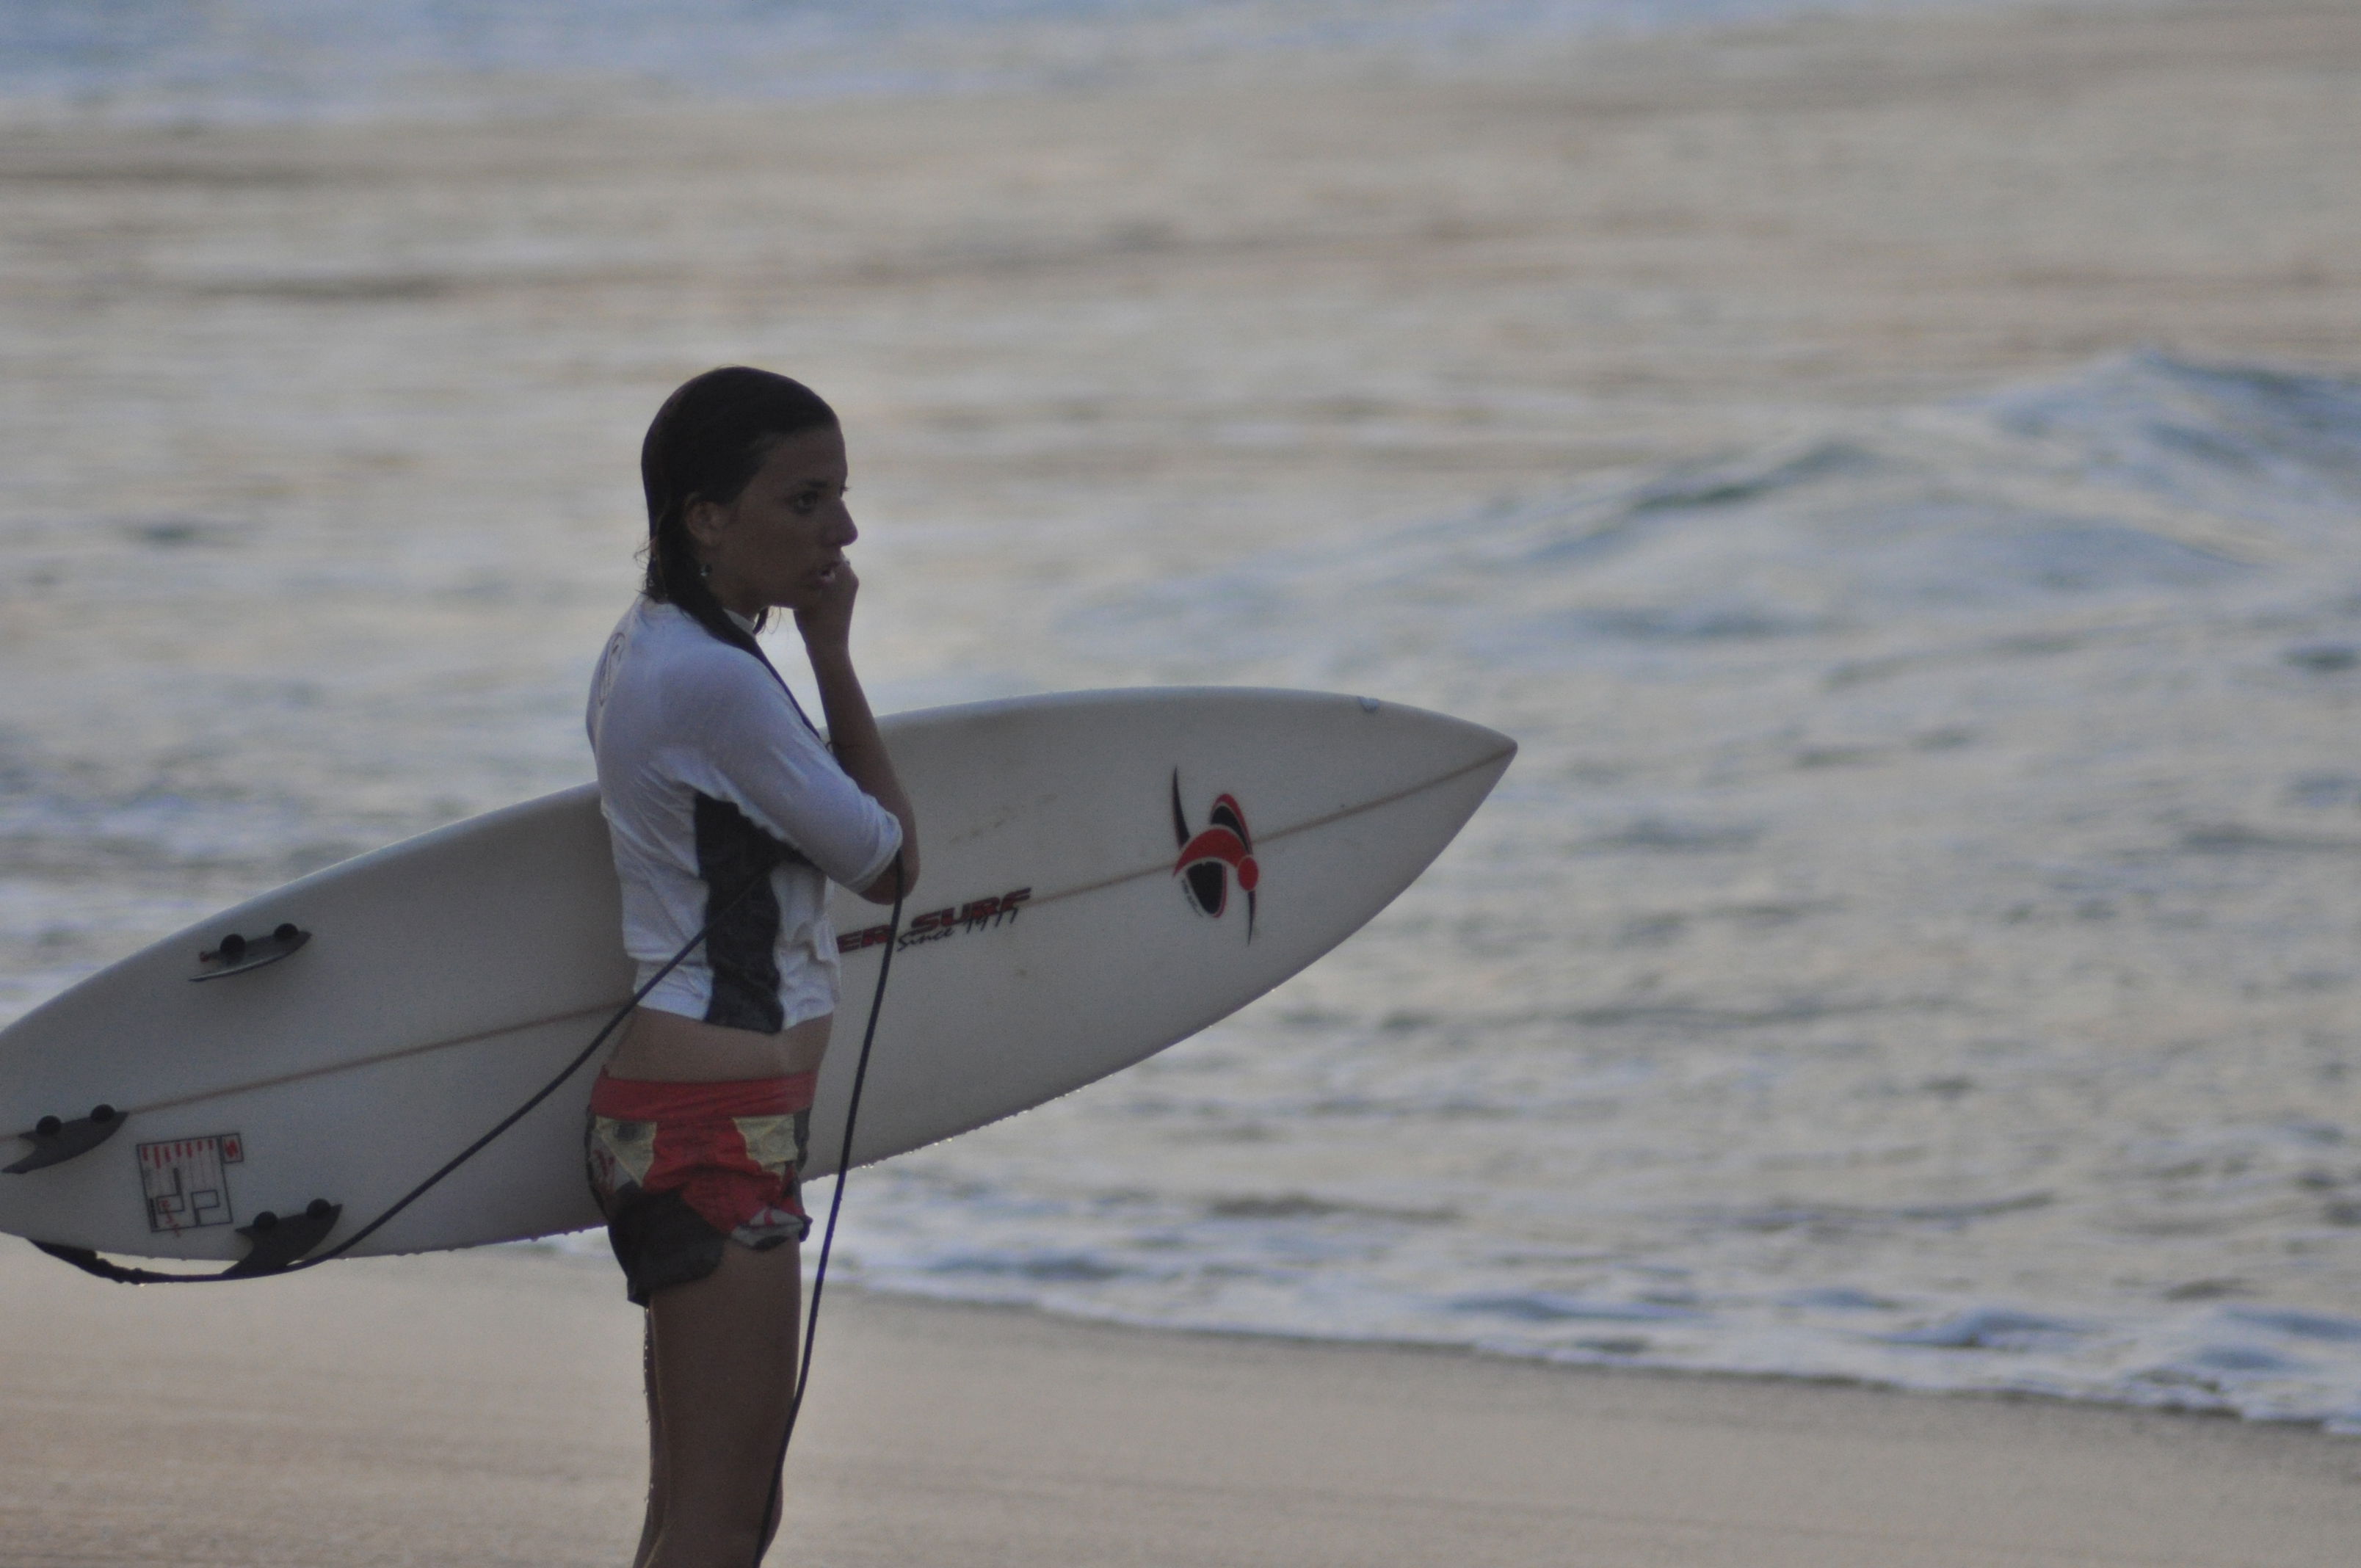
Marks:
<point>305,60</point>
<point>1917,943</point>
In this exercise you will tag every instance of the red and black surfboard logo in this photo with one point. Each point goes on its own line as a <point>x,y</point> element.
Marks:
<point>1212,856</point>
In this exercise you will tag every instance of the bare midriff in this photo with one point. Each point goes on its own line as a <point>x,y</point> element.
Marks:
<point>666,1047</point>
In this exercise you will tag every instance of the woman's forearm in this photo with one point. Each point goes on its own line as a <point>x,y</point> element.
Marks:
<point>852,733</point>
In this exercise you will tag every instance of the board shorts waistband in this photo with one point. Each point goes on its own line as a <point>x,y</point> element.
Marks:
<point>653,1100</point>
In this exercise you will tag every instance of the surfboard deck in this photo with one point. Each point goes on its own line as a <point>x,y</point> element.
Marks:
<point>1106,873</point>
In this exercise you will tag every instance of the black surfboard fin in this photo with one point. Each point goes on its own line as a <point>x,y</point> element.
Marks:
<point>55,1141</point>
<point>274,1246</point>
<point>277,1241</point>
<point>238,954</point>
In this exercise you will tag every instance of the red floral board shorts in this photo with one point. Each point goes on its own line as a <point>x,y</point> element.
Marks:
<point>681,1169</point>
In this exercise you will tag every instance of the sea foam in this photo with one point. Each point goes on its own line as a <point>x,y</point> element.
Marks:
<point>1915,944</point>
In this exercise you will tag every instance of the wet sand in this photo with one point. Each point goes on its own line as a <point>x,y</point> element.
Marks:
<point>480,1408</point>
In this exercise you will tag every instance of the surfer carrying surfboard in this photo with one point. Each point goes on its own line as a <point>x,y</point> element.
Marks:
<point>729,814</point>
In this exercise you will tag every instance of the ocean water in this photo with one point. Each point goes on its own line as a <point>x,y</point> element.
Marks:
<point>1917,943</point>
<point>244,60</point>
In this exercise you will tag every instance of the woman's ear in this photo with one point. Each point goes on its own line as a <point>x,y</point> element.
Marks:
<point>704,520</point>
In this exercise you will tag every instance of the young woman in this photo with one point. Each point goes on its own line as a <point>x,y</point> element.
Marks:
<point>729,814</point>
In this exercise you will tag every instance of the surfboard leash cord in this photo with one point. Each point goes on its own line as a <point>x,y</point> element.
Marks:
<point>835,1207</point>
<point>88,1260</point>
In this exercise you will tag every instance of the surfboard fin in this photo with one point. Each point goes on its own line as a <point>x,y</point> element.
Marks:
<point>275,1245</point>
<point>238,954</point>
<point>277,1241</point>
<point>55,1141</point>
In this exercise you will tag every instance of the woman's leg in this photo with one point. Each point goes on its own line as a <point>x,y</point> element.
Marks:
<point>724,1356</point>
<point>653,1524</point>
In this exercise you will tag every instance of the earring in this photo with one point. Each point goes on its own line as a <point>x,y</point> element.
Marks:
<point>705,571</point>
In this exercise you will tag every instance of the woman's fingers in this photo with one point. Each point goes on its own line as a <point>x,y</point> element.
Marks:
<point>828,619</point>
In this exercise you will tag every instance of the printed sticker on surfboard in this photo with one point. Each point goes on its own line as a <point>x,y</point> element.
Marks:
<point>1106,873</point>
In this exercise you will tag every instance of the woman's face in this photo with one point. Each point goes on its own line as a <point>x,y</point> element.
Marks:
<point>780,543</point>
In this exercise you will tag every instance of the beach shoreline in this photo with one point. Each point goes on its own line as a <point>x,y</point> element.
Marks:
<point>482,1408</point>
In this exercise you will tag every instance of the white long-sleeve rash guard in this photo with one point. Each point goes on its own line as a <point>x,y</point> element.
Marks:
<point>709,777</point>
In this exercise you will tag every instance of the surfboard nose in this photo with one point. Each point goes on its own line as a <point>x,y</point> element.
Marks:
<point>1431,750</point>
<point>1446,733</point>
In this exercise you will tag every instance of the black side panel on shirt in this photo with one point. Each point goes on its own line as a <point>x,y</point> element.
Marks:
<point>742,942</point>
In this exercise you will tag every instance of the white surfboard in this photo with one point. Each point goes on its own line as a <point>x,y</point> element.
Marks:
<point>1106,873</point>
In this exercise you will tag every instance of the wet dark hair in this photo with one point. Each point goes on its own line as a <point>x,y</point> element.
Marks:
<point>709,438</point>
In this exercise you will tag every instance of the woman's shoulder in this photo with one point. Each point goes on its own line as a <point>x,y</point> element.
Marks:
<point>674,660</point>
<point>665,641</point>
